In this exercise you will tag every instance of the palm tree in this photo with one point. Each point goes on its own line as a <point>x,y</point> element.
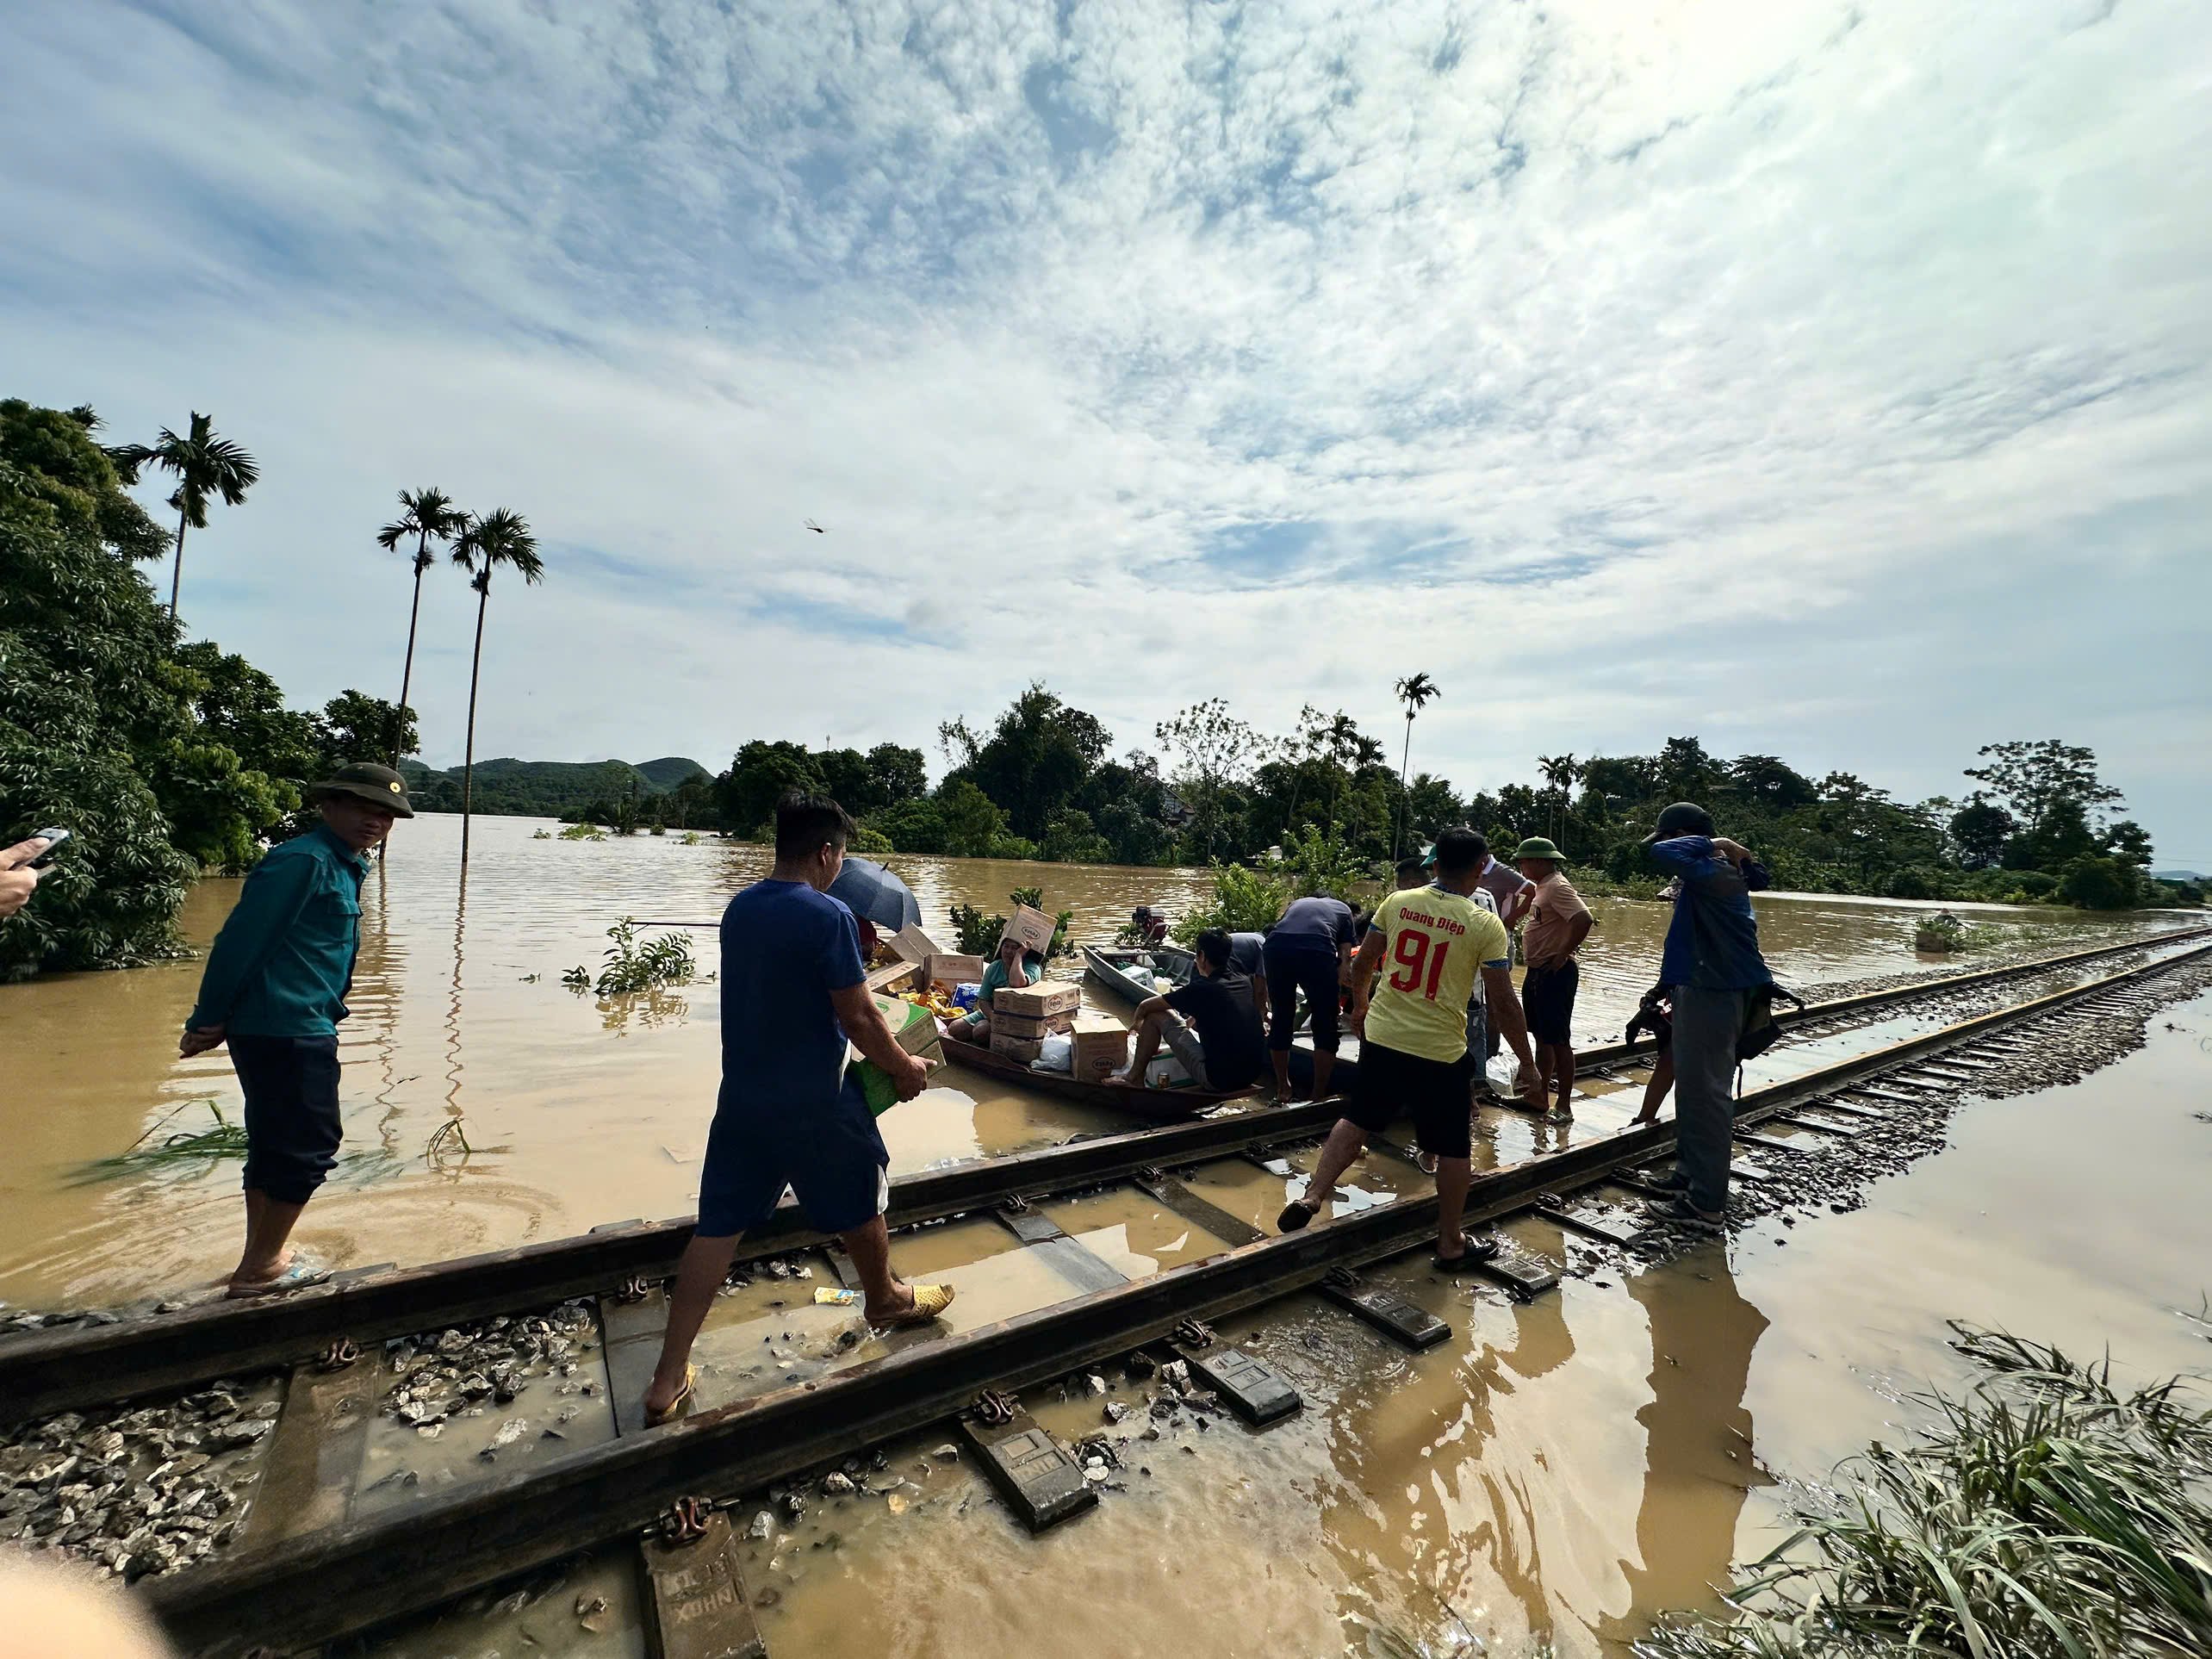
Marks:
<point>1560,772</point>
<point>424,513</point>
<point>485,543</point>
<point>1341,738</point>
<point>1414,691</point>
<point>202,462</point>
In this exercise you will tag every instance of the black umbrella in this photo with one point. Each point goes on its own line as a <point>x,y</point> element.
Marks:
<point>874,894</point>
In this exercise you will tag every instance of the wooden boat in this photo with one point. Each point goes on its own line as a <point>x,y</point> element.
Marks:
<point>1158,1105</point>
<point>1121,972</point>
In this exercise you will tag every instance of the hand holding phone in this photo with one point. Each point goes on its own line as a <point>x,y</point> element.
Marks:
<point>19,874</point>
<point>54,838</point>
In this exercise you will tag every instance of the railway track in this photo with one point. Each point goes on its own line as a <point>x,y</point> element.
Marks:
<point>331,1570</point>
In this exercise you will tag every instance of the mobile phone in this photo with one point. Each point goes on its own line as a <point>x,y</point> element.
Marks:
<point>54,838</point>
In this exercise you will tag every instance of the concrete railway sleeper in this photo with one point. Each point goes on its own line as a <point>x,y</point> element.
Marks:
<point>343,1577</point>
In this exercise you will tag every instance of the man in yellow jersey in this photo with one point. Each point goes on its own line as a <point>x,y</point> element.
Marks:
<point>1429,942</point>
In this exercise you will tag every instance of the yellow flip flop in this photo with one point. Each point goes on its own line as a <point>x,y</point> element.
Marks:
<point>675,1406</point>
<point>930,1300</point>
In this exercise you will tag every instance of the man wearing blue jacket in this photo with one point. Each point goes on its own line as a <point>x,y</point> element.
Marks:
<point>274,989</point>
<point>1713,966</point>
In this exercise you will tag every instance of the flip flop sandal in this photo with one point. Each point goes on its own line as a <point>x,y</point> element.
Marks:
<point>1295,1216</point>
<point>305,1270</point>
<point>676,1407</point>
<point>1472,1251</point>
<point>1424,1162</point>
<point>930,1301</point>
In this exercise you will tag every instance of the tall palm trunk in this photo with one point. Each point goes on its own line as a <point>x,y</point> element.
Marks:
<point>1404,761</point>
<point>469,754</point>
<point>414,611</point>
<point>177,566</point>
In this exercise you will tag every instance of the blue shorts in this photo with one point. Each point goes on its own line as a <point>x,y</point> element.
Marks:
<point>831,1157</point>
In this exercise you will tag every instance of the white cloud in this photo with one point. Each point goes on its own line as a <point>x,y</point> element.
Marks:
<point>1828,380</point>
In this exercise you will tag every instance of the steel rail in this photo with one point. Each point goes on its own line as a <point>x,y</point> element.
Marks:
<point>360,1573</point>
<point>42,1372</point>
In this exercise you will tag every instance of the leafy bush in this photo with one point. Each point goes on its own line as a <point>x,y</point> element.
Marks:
<point>1012,847</point>
<point>2045,1515</point>
<point>583,832</point>
<point>1244,901</point>
<point>662,960</point>
<point>871,842</point>
<point>1322,864</point>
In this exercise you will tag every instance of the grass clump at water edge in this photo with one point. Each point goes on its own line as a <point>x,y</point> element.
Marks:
<point>2044,1514</point>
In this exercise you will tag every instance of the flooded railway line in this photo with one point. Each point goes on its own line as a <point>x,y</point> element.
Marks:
<point>327,1532</point>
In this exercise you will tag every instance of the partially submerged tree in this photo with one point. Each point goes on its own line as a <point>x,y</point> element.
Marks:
<point>427,515</point>
<point>499,537</point>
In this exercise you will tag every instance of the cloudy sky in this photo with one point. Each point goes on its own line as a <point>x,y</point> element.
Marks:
<point>1828,380</point>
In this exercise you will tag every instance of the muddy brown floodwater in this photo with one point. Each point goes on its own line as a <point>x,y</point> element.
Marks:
<point>575,1111</point>
<point>1545,1482</point>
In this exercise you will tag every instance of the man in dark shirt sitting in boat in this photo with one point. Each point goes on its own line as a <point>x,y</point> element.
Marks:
<point>1221,1046</point>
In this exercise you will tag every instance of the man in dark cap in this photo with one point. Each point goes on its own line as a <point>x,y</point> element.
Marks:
<point>274,989</point>
<point>1714,973</point>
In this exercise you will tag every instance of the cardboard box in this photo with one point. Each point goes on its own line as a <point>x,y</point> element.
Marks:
<point>951,971</point>
<point>1100,1049</point>
<point>915,1029</point>
<point>1039,1001</point>
<point>1027,1025</point>
<point>1032,927</point>
<point>1024,1049</point>
<point>912,944</point>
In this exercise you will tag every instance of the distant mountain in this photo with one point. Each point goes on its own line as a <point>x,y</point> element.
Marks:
<point>546,789</point>
<point>2175,875</point>
<point>671,770</point>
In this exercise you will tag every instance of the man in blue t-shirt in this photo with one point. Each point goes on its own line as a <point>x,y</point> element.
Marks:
<point>793,991</point>
<point>1712,967</point>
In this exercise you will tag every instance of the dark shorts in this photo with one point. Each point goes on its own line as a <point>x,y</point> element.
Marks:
<point>1293,967</point>
<point>831,1157</point>
<point>1548,999</point>
<point>292,1128</point>
<point>1392,1083</point>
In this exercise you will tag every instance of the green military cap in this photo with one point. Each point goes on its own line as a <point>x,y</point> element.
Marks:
<point>1539,847</point>
<point>370,782</point>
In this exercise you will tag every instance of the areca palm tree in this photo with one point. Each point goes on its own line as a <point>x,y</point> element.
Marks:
<point>425,514</point>
<point>1414,691</point>
<point>1560,771</point>
<point>500,537</point>
<point>204,465</point>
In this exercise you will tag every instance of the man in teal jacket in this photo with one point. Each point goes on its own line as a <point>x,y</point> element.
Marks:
<point>274,989</point>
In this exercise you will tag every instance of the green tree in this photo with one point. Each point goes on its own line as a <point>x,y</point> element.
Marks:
<point>971,819</point>
<point>2033,779</point>
<point>1213,750</point>
<point>1684,772</point>
<point>1980,830</point>
<point>90,698</point>
<point>1766,779</point>
<point>499,538</point>
<point>2096,883</point>
<point>1414,691</point>
<point>1559,772</point>
<point>761,773</point>
<point>427,515</point>
<point>1071,838</point>
<point>2129,842</point>
<point>204,465</point>
<point>1037,756</point>
<point>354,726</point>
